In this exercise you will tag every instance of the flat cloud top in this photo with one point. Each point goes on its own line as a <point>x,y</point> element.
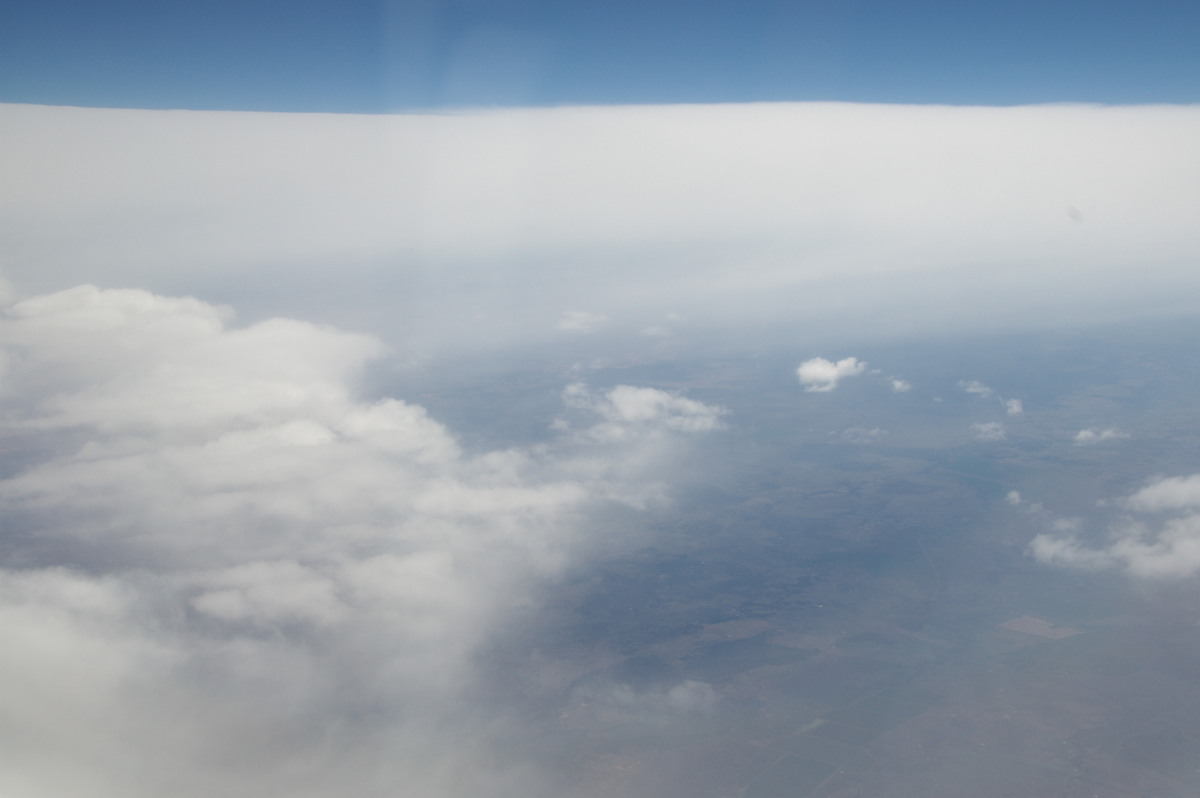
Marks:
<point>734,214</point>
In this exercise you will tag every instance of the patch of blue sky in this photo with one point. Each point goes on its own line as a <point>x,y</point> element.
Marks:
<point>389,55</point>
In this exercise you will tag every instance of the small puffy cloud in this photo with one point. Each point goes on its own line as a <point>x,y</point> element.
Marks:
<point>1012,407</point>
<point>899,385</point>
<point>1087,437</point>
<point>1143,547</point>
<point>821,376</point>
<point>1013,497</point>
<point>988,431</point>
<point>976,387</point>
<point>626,406</point>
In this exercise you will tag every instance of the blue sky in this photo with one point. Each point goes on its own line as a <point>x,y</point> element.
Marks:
<point>372,56</point>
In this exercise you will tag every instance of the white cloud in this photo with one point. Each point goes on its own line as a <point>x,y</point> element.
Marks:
<point>1012,407</point>
<point>229,551</point>
<point>1170,551</point>
<point>899,385</point>
<point>628,410</point>
<point>1013,497</point>
<point>726,214</point>
<point>1167,493</point>
<point>1086,437</point>
<point>819,375</point>
<point>1148,548</point>
<point>976,387</point>
<point>988,431</point>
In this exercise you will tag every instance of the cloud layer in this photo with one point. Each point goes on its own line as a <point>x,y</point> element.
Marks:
<point>228,575</point>
<point>478,229</point>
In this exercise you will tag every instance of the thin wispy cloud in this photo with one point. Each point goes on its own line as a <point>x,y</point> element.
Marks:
<point>1012,407</point>
<point>976,387</point>
<point>988,431</point>
<point>1093,435</point>
<point>581,321</point>
<point>861,435</point>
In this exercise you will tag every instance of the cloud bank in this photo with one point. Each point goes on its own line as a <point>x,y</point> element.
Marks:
<point>478,229</point>
<point>226,574</point>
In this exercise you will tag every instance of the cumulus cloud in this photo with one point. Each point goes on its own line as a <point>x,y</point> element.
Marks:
<point>629,410</point>
<point>988,431</point>
<point>1144,544</point>
<point>1013,407</point>
<point>899,385</point>
<point>819,375</point>
<point>1086,437</point>
<point>260,583</point>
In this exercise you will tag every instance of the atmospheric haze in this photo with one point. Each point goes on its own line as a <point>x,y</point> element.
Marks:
<point>281,497</point>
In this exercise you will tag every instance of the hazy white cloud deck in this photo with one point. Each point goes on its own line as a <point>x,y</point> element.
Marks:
<point>501,226</point>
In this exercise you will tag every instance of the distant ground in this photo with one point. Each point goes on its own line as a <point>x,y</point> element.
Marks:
<point>841,602</point>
